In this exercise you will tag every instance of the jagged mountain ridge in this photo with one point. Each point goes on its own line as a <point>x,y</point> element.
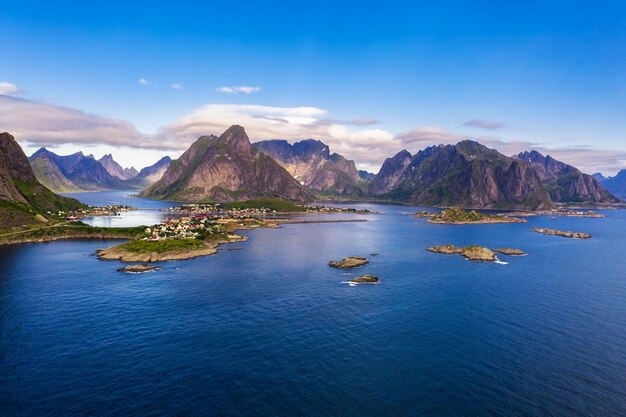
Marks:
<point>225,168</point>
<point>311,163</point>
<point>466,174</point>
<point>77,172</point>
<point>116,169</point>
<point>84,171</point>
<point>149,175</point>
<point>565,183</point>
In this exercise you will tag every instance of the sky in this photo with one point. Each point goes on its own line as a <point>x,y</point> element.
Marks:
<point>142,80</point>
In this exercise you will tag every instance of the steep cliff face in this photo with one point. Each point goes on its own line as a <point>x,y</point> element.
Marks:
<point>116,169</point>
<point>50,176</point>
<point>565,183</point>
<point>311,163</point>
<point>225,168</point>
<point>149,175</point>
<point>391,173</point>
<point>466,174</point>
<point>23,199</point>
<point>83,171</point>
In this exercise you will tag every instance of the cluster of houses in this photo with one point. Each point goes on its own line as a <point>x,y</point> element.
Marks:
<point>326,209</point>
<point>230,213</point>
<point>194,227</point>
<point>92,211</point>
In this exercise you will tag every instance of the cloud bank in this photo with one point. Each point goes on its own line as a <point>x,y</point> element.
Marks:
<point>44,124</point>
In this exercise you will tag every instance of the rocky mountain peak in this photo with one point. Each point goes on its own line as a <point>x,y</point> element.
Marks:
<point>236,138</point>
<point>16,162</point>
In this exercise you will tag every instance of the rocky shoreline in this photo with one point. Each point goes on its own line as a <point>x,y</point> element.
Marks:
<point>475,252</point>
<point>349,262</point>
<point>460,216</point>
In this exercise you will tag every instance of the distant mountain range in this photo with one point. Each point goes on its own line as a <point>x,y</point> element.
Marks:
<point>229,167</point>
<point>23,199</point>
<point>116,169</point>
<point>77,172</point>
<point>615,185</point>
<point>311,163</point>
<point>225,168</point>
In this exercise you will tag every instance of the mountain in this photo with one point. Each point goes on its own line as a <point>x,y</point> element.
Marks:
<point>48,173</point>
<point>391,173</point>
<point>149,175</point>
<point>83,171</point>
<point>466,174</point>
<point>311,163</point>
<point>565,183</point>
<point>615,185</point>
<point>225,168</point>
<point>366,175</point>
<point>116,169</point>
<point>23,199</point>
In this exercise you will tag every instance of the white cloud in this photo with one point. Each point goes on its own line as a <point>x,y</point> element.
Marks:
<point>176,86</point>
<point>7,88</point>
<point>143,81</point>
<point>48,125</point>
<point>366,146</point>
<point>42,124</point>
<point>238,89</point>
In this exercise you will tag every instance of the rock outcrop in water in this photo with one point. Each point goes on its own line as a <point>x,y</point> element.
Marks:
<point>225,168</point>
<point>473,253</point>
<point>349,263</point>
<point>138,269</point>
<point>554,232</point>
<point>365,279</point>
<point>460,216</point>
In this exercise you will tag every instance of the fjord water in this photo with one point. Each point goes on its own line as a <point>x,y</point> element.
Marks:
<point>270,329</point>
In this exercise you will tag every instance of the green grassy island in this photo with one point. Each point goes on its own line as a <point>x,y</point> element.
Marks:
<point>460,216</point>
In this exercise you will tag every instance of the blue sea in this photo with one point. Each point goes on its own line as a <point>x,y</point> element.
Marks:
<point>270,330</point>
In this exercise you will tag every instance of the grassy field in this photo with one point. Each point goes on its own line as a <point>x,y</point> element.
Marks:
<point>161,246</point>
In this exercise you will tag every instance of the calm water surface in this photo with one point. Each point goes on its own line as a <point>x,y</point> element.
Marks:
<point>270,329</point>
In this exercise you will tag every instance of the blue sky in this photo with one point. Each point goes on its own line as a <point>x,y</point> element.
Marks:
<point>544,74</point>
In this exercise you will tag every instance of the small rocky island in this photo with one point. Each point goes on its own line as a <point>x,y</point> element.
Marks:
<point>364,279</point>
<point>460,216</point>
<point>475,252</point>
<point>554,232</point>
<point>510,251</point>
<point>138,269</point>
<point>349,263</point>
